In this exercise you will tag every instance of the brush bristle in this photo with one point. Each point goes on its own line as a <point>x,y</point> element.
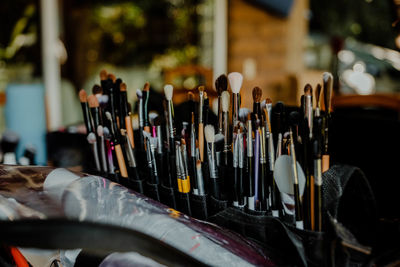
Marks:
<point>263,104</point>
<point>96,89</point>
<point>93,101</point>
<point>112,77</point>
<point>109,116</point>
<point>168,91</point>
<point>268,101</point>
<point>146,87</point>
<point>201,88</point>
<point>209,133</point>
<point>243,113</point>
<point>122,87</point>
<point>327,77</point>
<point>103,75</point>
<point>139,93</point>
<point>235,81</point>
<point>91,138</point>
<point>82,96</point>
<point>221,84</point>
<point>100,131</point>
<point>308,90</point>
<point>152,117</point>
<point>318,93</point>
<point>225,97</point>
<point>257,94</point>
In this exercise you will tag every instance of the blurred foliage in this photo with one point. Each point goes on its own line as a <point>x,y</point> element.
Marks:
<point>368,21</point>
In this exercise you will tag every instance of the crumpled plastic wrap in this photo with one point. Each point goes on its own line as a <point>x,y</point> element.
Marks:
<point>41,193</point>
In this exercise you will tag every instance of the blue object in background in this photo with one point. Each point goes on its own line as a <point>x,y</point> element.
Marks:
<point>26,115</point>
<point>278,7</point>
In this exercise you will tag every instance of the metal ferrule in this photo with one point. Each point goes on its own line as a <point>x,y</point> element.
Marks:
<point>159,140</point>
<point>130,155</point>
<point>262,145</point>
<point>193,142</point>
<point>317,112</point>
<point>271,151</point>
<point>153,159</point>
<point>220,119</point>
<point>226,127</point>
<point>279,146</point>
<point>269,109</point>
<point>177,153</point>
<point>249,139</point>
<point>235,151</point>
<point>200,182</point>
<point>201,104</point>
<point>235,109</point>
<point>241,151</point>
<point>185,158</point>
<point>140,111</point>
<point>318,172</point>
<point>309,113</point>
<point>171,119</point>
<point>148,153</point>
<point>293,156</point>
<point>181,165</point>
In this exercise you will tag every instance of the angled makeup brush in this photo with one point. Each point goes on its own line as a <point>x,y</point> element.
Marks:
<point>221,85</point>
<point>146,95</point>
<point>235,81</point>
<point>201,122</point>
<point>212,164</point>
<point>257,94</point>
<point>85,110</point>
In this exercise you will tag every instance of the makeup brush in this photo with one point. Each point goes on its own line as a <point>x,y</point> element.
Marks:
<point>168,91</point>
<point>183,181</point>
<point>103,156</point>
<point>139,95</point>
<point>193,154</point>
<point>243,112</point>
<point>206,108</point>
<point>117,148</point>
<point>257,164</point>
<point>317,100</point>
<point>328,87</point>
<point>225,110</point>
<point>126,114</point>
<point>201,125</point>
<point>85,111</point>
<point>298,209</point>
<point>250,163</point>
<point>263,184</point>
<point>221,85</point>
<point>9,143</point>
<point>257,94</point>
<point>214,179</point>
<point>235,164</point>
<point>146,94</point>
<point>152,171</point>
<point>235,81</point>
<point>317,156</point>
<point>240,168</point>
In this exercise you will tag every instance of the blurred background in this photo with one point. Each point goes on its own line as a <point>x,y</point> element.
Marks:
<point>55,48</point>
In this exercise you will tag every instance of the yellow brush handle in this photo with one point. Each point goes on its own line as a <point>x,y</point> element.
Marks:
<point>201,141</point>
<point>184,185</point>
<point>121,161</point>
<point>129,130</point>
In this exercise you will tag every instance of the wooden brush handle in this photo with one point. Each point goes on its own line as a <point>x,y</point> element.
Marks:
<point>146,129</point>
<point>201,141</point>
<point>129,130</point>
<point>325,163</point>
<point>121,161</point>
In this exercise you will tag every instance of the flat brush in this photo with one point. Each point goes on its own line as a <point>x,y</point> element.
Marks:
<point>221,85</point>
<point>201,123</point>
<point>235,81</point>
<point>146,95</point>
<point>317,100</point>
<point>85,111</point>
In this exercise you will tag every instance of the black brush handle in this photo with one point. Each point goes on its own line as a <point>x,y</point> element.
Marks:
<point>250,183</point>
<point>298,210</point>
<point>86,117</point>
<point>240,187</point>
<point>318,208</point>
<point>215,188</point>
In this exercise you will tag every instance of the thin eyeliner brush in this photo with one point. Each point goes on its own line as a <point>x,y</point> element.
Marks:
<point>172,160</point>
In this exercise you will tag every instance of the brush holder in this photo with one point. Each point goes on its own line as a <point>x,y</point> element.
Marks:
<point>199,207</point>
<point>152,191</point>
<point>167,196</point>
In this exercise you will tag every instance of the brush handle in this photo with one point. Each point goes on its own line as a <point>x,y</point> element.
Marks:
<point>235,184</point>
<point>318,194</point>
<point>240,187</point>
<point>121,161</point>
<point>262,189</point>
<point>96,157</point>
<point>193,173</point>
<point>103,154</point>
<point>220,116</point>
<point>129,130</point>
<point>86,117</point>
<point>160,166</point>
<point>250,189</point>
<point>298,210</point>
<point>201,141</point>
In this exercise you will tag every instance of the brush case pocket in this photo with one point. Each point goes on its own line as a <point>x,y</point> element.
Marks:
<point>184,203</point>
<point>216,205</point>
<point>167,196</point>
<point>137,185</point>
<point>198,206</point>
<point>151,190</point>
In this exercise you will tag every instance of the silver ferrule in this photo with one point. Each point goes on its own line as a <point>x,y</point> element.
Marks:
<point>241,151</point>
<point>171,119</point>
<point>177,153</point>
<point>140,111</point>
<point>293,156</point>
<point>181,165</point>
<point>309,112</point>
<point>153,159</point>
<point>249,139</point>
<point>317,112</point>
<point>269,109</point>
<point>235,109</point>
<point>235,151</point>
<point>193,142</point>
<point>148,153</point>
<point>271,151</point>
<point>220,117</point>
<point>201,104</point>
<point>226,128</point>
<point>318,172</point>
<point>159,140</point>
<point>262,146</point>
<point>279,146</point>
<point>185,158</point>
<point>200,182</point>
<point>130,155</point>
